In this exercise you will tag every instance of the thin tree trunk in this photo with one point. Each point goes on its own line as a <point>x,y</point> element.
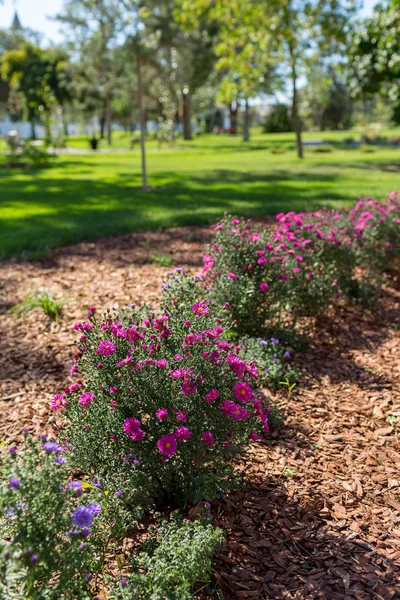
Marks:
<point>102,125</point>
<point>33,129</point>
<point>107,115</point>
<point>295,106</point>
<point>142,117</point>
<point>187,130</point>
<point>246,122</point>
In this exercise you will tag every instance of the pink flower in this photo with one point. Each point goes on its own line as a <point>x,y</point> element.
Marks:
<point>86,399</point>
<point>200,308</point>
<point>262,260</point>
<point>254,436</point>
<point>207,438</point>
<point>208,261</point>
<point>243,391</point>
<point>188,387</point>
<point>264,287</point>
<point>232,276</point>
<point>254,237</point>
<point>299,258</point>
<point>138,435</point>
<point>234,410</point>
<point>182,433</point>
<point>162,363</point>
<point>181,415</point>
<point>284,277</point>
<point>296,270</point>
<point>162,414</point>
<point>235,222</point>
<point>131,425</point>
<point>309,276</point>
<point>106,348</point>
<point>212,395</point>
<point>167,445</point>
<point>57,402</point>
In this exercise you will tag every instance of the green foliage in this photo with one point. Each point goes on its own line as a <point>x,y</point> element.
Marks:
<point>178,556</point>
<point>273,358</point>
<point>278,120</point>
<point>37,155</point>
<point>42,299</point>
<point>46,555</point>
<point>161,260</point>
<point>375,55</point>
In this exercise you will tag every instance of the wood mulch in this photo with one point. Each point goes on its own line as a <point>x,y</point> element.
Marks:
<point>320,514</point>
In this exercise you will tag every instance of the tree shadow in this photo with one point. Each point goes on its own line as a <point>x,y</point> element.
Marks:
<point>282,546</point>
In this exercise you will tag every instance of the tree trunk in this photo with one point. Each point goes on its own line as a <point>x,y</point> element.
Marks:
<point>33,129</point>
<point>246,122</point>
<point>142,117</point>
<point>295,107</point>
<point>64,123</point>
<point>102,125</point>
<point>107,116</point>
<point>187,129</point>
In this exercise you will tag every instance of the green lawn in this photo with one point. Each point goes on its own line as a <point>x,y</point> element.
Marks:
<point>89,196</point>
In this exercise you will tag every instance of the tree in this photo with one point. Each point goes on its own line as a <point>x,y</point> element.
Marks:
<point>95,25</point>
<point>39,76</point>
<point>375,56</point>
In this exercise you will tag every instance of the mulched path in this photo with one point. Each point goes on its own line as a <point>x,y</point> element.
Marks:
<point>320,514</point>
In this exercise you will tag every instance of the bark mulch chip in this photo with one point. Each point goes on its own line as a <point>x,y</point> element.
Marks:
<point>319,516</point>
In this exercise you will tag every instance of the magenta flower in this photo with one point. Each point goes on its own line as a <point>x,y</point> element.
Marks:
<point>232,276</point>
<point>162,414</point>
<point>254,436</point>
<point>207,438</point>
<point>86,399</point>
<point>262,260</point>
<point>182,433</point>
<point>167,445</point>
<point>201,308</point>
<point>212,395</point>
<point>162,363</point>
<point>106,348</point>
<point>137,435</point>
<point>243,391</point>
<point>188,387</point>
<point>182,416</point>
<point>296,270</point>
<point>131,425</point>
<point>284,277</point>
<point>264,286</point>
<point>254,237</point>
<point>234,410</point>
<point>299,258</point>
<point>57,402</point>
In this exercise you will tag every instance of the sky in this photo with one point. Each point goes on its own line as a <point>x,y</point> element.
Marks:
<point>34,14</point>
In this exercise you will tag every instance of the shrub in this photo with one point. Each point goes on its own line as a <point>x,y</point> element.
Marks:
<point>278,120</point>
<point>178,556</point>
<point>164,401</point>
<point>37,155</point>
<point>54,533</point>
<point>42,299</point>
<point>269,278</point>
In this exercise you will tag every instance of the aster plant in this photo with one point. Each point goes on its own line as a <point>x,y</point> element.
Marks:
<point>54,532</point>
<point>164,401</point>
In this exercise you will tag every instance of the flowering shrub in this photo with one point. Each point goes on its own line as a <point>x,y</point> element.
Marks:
<point>177,556</point>
<point>265,277</point>
<point>52,532</point>
<point>164,401</point>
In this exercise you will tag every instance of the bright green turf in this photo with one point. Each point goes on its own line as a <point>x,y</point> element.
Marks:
<point>86,197</point>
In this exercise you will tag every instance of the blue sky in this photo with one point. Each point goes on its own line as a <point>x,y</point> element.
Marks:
<point>35,13</point>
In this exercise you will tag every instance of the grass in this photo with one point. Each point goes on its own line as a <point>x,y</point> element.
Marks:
<point>89,196</point>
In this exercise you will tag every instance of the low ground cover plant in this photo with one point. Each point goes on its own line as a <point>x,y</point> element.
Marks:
<point>41,299</point>
<point>175,563</point>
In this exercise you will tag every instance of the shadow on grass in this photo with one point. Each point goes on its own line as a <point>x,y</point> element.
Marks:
<point>67,210</point>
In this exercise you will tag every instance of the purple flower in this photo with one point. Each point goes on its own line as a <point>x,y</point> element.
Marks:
<point>123,582</point>
<point>74,485</point>
<point>82,517</point>
<point>182,433</point>
<point>60,460</point>
<point>167,445</point>
<point>86,398</point>
<point>14,483</point>
<point>52,447</point>
<point>119,493</point>
<point>162,414</point>
<point>95,508</point>
<point>274,341</point>
<point>12,449</point>
<point>34,558</point>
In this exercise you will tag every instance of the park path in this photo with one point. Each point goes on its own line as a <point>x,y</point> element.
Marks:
<point>320,515</point>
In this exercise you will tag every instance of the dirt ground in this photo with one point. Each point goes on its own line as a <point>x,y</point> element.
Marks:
<point>320,514</point>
